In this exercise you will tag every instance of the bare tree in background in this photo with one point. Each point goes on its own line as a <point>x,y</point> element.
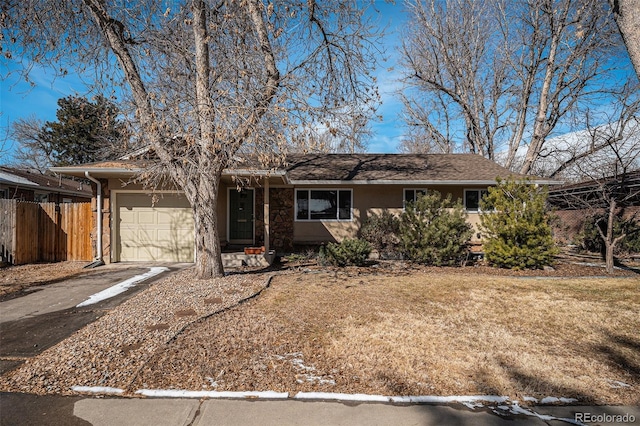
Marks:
<point>208,79</point>
<point>86,131</point>
<point>608,167</point>
<point>482,75</point>
<point>33,151</point>
<point>627,15</point>
<point>456,74</point>
<point>347,133</point>
<point>599,146</point>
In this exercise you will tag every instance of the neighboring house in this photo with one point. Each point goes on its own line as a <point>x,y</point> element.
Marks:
<point>27,185</point>
<point>313,199</point>
<point>577,202</point>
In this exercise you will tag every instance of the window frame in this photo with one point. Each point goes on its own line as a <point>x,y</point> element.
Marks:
<point>415,197</point>
<point>481,193</point>
<point>337,218</point>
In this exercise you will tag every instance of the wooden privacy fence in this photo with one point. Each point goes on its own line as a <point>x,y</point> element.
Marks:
<point>44,232</point>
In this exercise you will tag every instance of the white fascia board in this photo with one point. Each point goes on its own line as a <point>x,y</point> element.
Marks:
<point>410,182</point>
<point>96,171</point>
<point>250,172</point>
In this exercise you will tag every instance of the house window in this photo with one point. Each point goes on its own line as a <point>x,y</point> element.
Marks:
<point>4,193</point>
<point>323,204</point>
<point>411,195</point>
<point>67,200</point>
<point>472,199</point>
<point>41,198</point>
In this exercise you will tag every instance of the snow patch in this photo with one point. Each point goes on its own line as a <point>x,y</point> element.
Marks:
<point>554,400</point>
<point>122,287</point>
<point>304,371</point>
<point>472,405</point>
<point>212,382</point>
<point>432,399</point>
<point>616,384</point>
<point>517,409</point>
<point>473,401</point>
<point>97,389</point>
<point>176,393</point>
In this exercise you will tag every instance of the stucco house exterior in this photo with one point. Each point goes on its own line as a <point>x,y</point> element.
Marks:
<point>314,198</point>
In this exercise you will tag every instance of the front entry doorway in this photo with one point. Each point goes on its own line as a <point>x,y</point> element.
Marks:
<point>241,216</point>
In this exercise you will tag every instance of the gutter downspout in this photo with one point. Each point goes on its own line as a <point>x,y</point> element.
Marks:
<point>98,260</point>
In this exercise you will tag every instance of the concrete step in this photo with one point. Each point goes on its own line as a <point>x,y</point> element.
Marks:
<point>236,260</point>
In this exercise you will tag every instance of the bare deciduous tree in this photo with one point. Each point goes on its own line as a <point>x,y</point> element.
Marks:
<point>33,152</point>
<point>86,130</point>
<point>597,147</point>
<point>456,73</point>
<point>209,79</point>
<point>486,75</point>
<point>347,133</point>
<point>606,165</point>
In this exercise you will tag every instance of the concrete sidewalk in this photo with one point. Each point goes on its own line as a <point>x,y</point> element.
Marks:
<point>156,412</point>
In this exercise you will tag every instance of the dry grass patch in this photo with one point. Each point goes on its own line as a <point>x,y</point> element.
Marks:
<point>415,334</point>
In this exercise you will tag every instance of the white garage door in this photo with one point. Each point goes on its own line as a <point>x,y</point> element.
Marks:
<point>162,232</point>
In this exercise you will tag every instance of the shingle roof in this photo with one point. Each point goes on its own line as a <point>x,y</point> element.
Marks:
<point>356,168</point>
<point>394,167</point>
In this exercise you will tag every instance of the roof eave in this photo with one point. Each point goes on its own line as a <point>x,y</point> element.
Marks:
<point>97,172</point>
<point>410,182</point>
<point>251,172</point>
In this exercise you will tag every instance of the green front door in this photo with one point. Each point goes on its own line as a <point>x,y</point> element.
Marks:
<point>241,216</point>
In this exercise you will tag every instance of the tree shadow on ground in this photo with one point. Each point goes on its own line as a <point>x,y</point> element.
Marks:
<point>618,354</point>
<point>527,384</point>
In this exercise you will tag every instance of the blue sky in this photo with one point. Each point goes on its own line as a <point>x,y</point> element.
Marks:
<point>19,100</point>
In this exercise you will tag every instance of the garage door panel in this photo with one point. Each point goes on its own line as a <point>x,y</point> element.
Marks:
<point>127,216</point>
<point>163,232</point>
<point>147,217</point>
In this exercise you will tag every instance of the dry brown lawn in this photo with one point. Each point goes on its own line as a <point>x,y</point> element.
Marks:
<point>417,333</point>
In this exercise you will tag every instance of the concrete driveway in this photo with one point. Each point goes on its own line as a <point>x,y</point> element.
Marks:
<point>50,313</point>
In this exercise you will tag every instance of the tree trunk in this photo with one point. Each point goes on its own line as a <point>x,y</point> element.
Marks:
<point>207,242</point>
<point>609,257</point>
<point>609,241</point>
<point>627,16</point>
<point>540,127</point>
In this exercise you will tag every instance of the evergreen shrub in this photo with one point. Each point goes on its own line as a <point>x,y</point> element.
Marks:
<point>350,252</point>
<point>589,238</point>
<point>434,230</point>
<point>516,226</point>
<point>381,231</point>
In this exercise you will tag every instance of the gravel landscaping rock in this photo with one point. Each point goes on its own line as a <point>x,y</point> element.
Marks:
<point>111,351</point>
<point>313,331</point>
